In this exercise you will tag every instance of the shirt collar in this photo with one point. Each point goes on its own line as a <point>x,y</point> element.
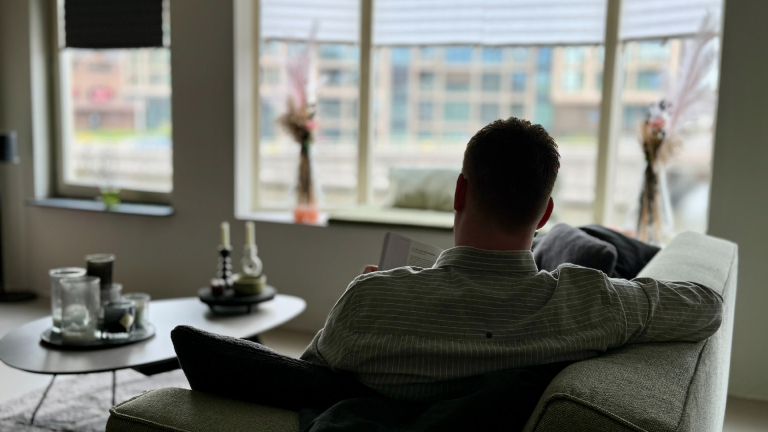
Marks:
<point>520,261</point>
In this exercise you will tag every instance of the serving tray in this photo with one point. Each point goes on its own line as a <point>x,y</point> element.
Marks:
<point>54,339</point>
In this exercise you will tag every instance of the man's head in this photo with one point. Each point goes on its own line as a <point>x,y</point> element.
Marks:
<point>510,168</point>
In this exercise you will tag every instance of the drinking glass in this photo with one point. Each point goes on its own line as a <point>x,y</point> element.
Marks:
<point>55,276</point>
<point>80,309</point>
<point>141,300</point>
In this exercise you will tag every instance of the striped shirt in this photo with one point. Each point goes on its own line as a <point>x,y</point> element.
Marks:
<point>412,333</point>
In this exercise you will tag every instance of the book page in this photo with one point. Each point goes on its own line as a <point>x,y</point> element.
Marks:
<point>400,251</point>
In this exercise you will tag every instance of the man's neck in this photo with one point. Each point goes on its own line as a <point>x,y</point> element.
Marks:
<point>494,240</point>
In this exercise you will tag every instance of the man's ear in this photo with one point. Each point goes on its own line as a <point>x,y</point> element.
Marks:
<point>460,196</point>
<point>547,214</point>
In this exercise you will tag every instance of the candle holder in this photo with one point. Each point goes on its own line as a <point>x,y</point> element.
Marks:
<point>251,262</point>
<point>225,266</point>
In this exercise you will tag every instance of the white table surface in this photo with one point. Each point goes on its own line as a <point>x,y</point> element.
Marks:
<point>22,348</point>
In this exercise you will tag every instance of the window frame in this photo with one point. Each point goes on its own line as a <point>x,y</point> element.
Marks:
<point>60,187</point>
<point>247,35</point>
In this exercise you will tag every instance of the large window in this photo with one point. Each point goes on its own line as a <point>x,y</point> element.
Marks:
<point>440,72</point>
<point>115,119</point>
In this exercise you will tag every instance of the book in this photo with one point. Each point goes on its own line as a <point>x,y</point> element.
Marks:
<point>400,251</point>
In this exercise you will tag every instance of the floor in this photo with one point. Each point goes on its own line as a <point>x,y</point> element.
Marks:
<point>741,415</point>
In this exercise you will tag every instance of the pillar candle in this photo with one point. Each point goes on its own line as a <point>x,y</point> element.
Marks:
<point>250,233</point>
<point>225,234</point>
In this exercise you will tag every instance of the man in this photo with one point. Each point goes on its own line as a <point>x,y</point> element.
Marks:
<point>414,334</point>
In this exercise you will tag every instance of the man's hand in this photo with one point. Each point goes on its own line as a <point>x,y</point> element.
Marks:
<point>370,269</point>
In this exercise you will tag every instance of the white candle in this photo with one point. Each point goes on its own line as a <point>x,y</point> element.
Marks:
<point>225,234</point>
<point>250,233</point>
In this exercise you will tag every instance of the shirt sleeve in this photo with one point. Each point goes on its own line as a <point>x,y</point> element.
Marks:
<point>651,310</point>
<point>334,342</point>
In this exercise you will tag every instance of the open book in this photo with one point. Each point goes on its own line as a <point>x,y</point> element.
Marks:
<point>400,251</point>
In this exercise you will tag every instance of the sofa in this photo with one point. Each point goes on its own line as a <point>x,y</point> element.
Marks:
<point>648,387</point>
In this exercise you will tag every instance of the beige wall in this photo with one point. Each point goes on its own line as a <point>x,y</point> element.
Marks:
<point>739,201</point>
<point>171,257</point>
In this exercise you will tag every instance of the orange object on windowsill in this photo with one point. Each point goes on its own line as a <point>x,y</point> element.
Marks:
<point>304,213</point>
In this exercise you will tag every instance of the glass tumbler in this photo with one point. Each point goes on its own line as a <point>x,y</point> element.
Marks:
<point>100,265</point>
<point>141,300</point>
<point>56,276</point>
<point>80,309</point>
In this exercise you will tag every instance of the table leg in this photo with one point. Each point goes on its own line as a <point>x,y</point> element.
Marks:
<point>114,386</point>
<point>39,404</point>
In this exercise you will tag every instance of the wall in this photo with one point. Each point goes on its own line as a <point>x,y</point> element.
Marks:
<point>175,256</point>
<point>739,199</point>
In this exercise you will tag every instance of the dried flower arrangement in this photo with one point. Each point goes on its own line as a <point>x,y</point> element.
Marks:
<point>660,132</point>
<point>298,121</point>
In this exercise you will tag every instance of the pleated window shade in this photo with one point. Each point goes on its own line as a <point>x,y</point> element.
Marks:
<point>113,23</point>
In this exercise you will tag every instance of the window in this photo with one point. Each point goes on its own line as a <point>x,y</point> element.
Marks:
<point>489,113</point>
<point>491,82</point>
<point>518,81</point>
<point>425,111</point>
<point>114,107</point>
<point>458,55</point>
<point>492,55</point>
<point>457,111</point>
<point>426,81</point>
<point>430,89</point>
<point>573,81</point>
<point>457,81</point>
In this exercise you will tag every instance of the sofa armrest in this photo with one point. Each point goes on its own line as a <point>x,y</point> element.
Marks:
<point>175,409</point>
<point>673,386</point>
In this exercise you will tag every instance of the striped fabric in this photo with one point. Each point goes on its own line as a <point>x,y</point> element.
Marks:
<point>414,333</point>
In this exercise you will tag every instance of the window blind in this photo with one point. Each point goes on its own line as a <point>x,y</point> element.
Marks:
<point>113,23</point>
<point>482,22</point>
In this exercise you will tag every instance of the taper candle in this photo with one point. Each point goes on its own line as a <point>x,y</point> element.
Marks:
<point>225,234</point>
<point>250,233</point>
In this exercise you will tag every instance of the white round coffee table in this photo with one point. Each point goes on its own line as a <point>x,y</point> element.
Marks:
<point>22,348</point>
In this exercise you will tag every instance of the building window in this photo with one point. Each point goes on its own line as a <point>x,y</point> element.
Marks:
<point>457,111</point>
<point>519,80</point>
<point>648,80</point>
<point>573,81</point>
<point>329,109</point>
<point>114,110</point>
<point>517,110</point>
<point>491,82</point>
<point>425,111</point>
<point>489,113</point>
<point>493,55</point>
<point>457,81</point>
<point>426,81</point>
<point>458,54</point>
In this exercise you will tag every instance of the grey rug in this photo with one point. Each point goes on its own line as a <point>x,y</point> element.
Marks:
<point>80,402</point>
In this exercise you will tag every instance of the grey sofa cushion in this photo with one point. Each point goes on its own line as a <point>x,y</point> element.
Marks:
<point>632,254</point>
<point>654,387</point>
<point>566,244</point>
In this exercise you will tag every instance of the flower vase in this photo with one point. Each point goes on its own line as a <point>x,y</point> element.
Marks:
<point>306,210</point>
<point>655,224</point>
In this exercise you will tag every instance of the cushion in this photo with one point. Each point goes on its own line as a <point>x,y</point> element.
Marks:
<point>566,244</point>
<point>251,372</point>
<point>419,188</point>
<point>632,255</point>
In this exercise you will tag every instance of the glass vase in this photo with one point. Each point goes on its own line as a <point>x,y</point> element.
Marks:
<point>655,222</point>
<point>307,192</point>
<point>80,309</point>
<point>56,275</point>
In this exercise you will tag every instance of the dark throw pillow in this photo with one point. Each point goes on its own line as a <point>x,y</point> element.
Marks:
<point>566,244</point>
<point>251,372</point>
<point>633,254</point>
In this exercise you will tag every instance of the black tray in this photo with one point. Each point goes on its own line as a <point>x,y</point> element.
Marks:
<point>230,303</point>
<point>54,339</point>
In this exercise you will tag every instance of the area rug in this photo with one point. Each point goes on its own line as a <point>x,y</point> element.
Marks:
<point>80,402</point>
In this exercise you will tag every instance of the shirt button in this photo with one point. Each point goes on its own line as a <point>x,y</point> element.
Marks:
<point>489,335</point>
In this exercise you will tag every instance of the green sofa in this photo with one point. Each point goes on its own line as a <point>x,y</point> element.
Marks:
<point>649,387</point>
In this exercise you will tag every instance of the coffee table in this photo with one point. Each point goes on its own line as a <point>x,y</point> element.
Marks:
<point>22,348</point>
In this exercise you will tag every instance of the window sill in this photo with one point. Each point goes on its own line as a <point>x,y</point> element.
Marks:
<point>96,206</point>
<point>375,216</point>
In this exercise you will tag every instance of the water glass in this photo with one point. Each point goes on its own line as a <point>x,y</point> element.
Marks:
<point>100,265</point>
<point>55,276</point>
<point>80,309</point>
<point>119,319</point>
<point>141,300</point>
